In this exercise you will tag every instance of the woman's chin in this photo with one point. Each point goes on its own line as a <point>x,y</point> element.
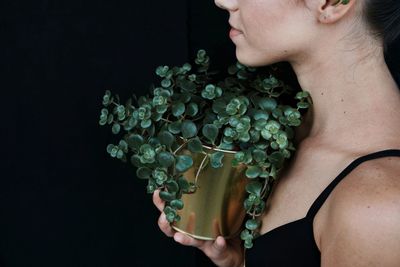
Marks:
<point>254,60</point>
<point>249,62</point>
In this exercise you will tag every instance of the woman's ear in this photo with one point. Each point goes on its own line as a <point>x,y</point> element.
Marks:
<point>331,11</point>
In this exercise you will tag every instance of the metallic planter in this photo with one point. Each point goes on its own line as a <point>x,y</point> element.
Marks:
<point>216,208</point>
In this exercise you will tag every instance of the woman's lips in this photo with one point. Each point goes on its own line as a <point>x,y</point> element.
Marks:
<point>234,32</point>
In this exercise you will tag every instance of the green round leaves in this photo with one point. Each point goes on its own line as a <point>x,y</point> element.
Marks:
<point>178,109</point>
<point>175,127</point>
<point>253,172</point>
<point>188,129</point>
<point>116,128</point>
<point>165,159</point>
<point>166,196</point>
<point>247,237</point>
<point>195,145</point>
<point>177,204</point>
<point>211,91</point>
<point>216,159</point>
<point>166,83</point>
<point>276,159</point>
<point>143,172</point>
<point>191,106</point>
<point>135,141</point>
<point>267,104</point>
<point>172,186</point>
<point>192,109</point>
<point>169,211</point>
<point>254,187</point>
<point>166,138</point>
<point>183,163</point>
<point>210,131</point>
<point>252,224</point>
<point>184,185</point>
<point>147,154</point>
<point>107,99</point>
<point>162,71</point>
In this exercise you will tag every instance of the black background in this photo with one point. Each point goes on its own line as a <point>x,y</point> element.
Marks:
<point>64,201</point>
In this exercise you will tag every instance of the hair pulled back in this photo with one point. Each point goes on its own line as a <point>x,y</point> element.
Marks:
<point>383,19</point>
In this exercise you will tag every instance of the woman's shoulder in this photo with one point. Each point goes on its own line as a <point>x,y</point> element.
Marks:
<point>370,181</point>
<point>363,225</point>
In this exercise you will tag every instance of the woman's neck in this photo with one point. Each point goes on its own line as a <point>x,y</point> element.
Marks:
<point>350,92</point>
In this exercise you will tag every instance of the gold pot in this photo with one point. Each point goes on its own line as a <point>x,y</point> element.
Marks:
<point>216,207</point>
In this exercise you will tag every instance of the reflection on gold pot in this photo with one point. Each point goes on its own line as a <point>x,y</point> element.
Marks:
<point>216,208</point>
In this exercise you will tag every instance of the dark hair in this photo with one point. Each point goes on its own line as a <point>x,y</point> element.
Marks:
<point>383,19</point>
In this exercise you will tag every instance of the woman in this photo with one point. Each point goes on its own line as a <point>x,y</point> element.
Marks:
<point>337,52</point>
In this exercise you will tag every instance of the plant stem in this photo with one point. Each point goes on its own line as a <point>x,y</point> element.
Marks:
<point>200,168</point>
<point>184,143</point>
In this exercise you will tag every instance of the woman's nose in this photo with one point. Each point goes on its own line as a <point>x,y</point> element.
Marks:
<point>229,5</point>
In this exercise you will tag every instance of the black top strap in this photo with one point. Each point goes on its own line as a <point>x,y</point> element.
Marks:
<point>324,195</point>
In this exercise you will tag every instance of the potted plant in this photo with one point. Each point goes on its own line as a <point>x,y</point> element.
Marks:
<point>212,143</point>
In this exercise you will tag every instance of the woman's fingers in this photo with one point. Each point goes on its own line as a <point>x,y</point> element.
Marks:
<point>165,226</point>
<point>188,241</point>
<point>162,220</point>
<point>210,248</point>
<point>215,250</point>
<point>219,244</point>
<point>158,202</point>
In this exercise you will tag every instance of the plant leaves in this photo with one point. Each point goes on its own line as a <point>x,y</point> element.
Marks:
<point>183,163</point>
<point>276,159</point>
<point>254,187</point>
<point>175,127</point>
<point>178,109</point>
<point>143,173</point>
<point>252,224</point>
<point>165,159</point>
<point>135,141</point>
<point>259,155</point>
<point>167,196</point>
<point>302,105</point>
<point>172,186</point>
<point>195,145</point>
<point>116,128</point>
<point>210,131</point>
<point>145,123</point>
<point>135,160</point>
<point>219,106</point>
<point>268,104</point>
<point>120,154</point>
<point>177,204</point>
<point>253,172</point>
<point>166,138</point>
<point>183,184</point>
<point>216,159</point>
<point>188,129</point>
<point>192,109</point>
<point>170,214</point>
<point>109,148</point>
<point>260,114</point>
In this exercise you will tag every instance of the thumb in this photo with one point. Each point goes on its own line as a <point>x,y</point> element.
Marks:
<point>219,244</point>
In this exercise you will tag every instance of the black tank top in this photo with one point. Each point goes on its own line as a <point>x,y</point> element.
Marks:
<point>293,244</point>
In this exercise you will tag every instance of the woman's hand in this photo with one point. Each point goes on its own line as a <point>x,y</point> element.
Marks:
<point>224,253</point>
